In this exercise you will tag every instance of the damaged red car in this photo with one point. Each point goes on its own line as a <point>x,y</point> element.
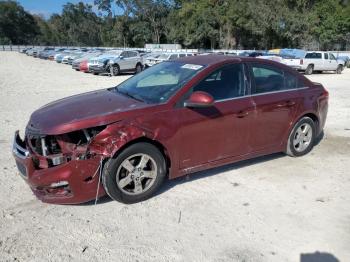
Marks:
<point>175,118</point>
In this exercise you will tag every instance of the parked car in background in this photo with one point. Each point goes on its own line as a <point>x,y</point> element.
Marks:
<point>76,62</point>
<point>149,59</point>
<point>55,52</point>
<point>43,54</point>
<point>344,60</point>
<point>32,51</point>
<point>24,50</point>
<point>175,118</point>
<point>84,66</point>
<point>99,64</point>
<point>68,58</point>
<point>125,61</point>
<point>319,61</point>
<point>168,56</point>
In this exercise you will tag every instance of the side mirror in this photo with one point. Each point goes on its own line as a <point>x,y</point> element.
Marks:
<point>121,57</point>
<point>199,99</point>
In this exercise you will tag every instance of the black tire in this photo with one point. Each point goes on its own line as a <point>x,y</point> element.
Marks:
<point>291,149</point>
<point>339,69</point>
<point>309,70</point>
<point>114,70</point>
<point>138,68</point>
<point>109,176</point>
<point>95,73</point>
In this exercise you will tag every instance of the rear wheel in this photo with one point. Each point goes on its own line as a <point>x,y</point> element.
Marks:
<point>135,174</point>
<point>301,139</point>
<point>339,69</point>
<point>309,70</point>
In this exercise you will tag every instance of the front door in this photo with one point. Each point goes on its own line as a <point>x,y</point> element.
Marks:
<point>221,131</point>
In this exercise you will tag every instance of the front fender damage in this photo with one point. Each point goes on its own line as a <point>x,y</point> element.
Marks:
<point>114,137</point>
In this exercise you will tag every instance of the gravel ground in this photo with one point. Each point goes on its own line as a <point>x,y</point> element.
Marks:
<point>273,208</point>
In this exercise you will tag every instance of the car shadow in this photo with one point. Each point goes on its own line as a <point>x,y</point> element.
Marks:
<point>216,170</point>
<point>318,257</point>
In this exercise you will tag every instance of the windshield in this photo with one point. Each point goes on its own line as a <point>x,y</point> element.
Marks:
<point>158,83</point>
<point>163,56</point>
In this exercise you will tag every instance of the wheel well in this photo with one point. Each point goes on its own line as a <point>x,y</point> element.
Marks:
<point>155,143</point>
<point>311,65</point>
<point>314,118</point>
<point>138,63</point>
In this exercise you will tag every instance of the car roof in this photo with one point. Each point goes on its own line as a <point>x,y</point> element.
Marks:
<point>213,59</point>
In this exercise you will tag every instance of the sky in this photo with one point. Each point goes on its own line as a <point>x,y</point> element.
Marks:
<point>48,7</point>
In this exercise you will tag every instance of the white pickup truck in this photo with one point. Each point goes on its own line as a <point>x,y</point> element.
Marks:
<point>315,61</point>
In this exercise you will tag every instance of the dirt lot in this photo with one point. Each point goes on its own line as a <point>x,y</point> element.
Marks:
<point>274,208</point>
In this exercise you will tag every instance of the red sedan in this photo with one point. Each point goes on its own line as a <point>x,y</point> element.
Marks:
<point>83,66</point>
<point>172,119</point>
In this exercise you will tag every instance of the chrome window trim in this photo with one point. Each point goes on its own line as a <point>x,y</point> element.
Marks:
<point>267,93</point>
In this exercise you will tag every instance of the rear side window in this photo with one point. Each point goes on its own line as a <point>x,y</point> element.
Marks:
<point>290,81</point>
<point>267,79</point>
<point>314,55</point>
<point>271,79</point>
<point>224,83</point>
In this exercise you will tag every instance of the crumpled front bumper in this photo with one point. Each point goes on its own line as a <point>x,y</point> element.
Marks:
<point>73,182</point>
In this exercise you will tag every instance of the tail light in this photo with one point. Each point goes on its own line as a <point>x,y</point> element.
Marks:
<point>325,93</point>
<point>301,61</point>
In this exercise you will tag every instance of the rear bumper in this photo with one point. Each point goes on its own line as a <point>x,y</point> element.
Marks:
<point>73,182</point>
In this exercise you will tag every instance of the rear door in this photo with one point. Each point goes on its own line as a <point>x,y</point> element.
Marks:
<point>276,97</point>
<point>327,62</point>
<point>132,59</point>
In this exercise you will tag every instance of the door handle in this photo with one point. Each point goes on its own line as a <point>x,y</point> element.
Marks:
<point>288,103</point>
<point>242,114</point>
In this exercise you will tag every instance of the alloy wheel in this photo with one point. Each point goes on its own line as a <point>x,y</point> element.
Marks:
<point>303,137</point>
<point>136,174</point>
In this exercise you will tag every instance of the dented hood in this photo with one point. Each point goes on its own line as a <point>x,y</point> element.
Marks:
<point>82,111</point>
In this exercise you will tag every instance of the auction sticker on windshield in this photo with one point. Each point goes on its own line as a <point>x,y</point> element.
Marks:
<point>191,66</point>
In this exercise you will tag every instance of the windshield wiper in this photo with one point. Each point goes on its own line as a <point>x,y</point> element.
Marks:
<point>138,98</point>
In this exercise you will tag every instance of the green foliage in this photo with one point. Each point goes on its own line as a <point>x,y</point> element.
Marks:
<point>16,25</point>
<point>261,24</point>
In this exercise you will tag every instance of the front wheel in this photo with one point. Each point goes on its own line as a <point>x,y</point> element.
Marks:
<point>301,139</point>
<point>339,69</point>
<point>114,70</point>
<point>138,68</point>
<point>135,174</point>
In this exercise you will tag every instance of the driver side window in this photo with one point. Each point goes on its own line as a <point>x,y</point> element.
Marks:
<point>224,83</point>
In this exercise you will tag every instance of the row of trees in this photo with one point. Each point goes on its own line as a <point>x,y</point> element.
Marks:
<point>260,24</point>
